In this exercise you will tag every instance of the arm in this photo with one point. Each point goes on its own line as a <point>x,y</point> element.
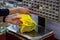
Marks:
<point>19,10</point>
<point>5,12</point>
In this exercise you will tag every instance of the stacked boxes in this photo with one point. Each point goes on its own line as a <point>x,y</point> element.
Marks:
<point>44,8</point>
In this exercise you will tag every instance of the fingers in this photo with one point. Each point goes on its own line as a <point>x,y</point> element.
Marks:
<point>24,10</point>
<point>30,11</point>
<point>16,21</point>
<point>13,19</point>
<point>13,16</point>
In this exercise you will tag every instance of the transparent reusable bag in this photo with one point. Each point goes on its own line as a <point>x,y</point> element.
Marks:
<point>3,28</point>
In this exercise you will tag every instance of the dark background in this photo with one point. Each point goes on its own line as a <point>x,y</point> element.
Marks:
<point>19,0</point>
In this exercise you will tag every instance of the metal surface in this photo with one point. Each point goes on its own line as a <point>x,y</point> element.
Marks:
<point>33,35</point>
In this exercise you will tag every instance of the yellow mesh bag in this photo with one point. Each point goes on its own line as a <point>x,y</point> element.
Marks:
<point>27,24</point>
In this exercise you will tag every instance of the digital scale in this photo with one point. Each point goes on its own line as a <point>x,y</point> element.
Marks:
<point>44,10</point>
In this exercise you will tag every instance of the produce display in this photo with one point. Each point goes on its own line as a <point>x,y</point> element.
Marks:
<point>27,23</point>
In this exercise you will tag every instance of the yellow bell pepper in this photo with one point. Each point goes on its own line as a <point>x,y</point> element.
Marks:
<point>27,24</point>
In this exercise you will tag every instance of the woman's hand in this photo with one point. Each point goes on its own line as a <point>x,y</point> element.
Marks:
<point>13,19</point>
<point>24,10</point>
<point>19,10</point>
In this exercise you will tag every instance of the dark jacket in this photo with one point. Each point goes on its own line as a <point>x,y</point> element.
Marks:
<point>4,12</point>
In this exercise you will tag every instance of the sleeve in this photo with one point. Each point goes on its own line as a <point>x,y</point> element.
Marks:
<point>4,12</point>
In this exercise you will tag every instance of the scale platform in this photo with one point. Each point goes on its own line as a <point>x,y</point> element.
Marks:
<point>39,33</point>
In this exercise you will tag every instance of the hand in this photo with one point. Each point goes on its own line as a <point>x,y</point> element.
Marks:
<point>13,19</point>
<point>19,10</point>
<point>23,10</point>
